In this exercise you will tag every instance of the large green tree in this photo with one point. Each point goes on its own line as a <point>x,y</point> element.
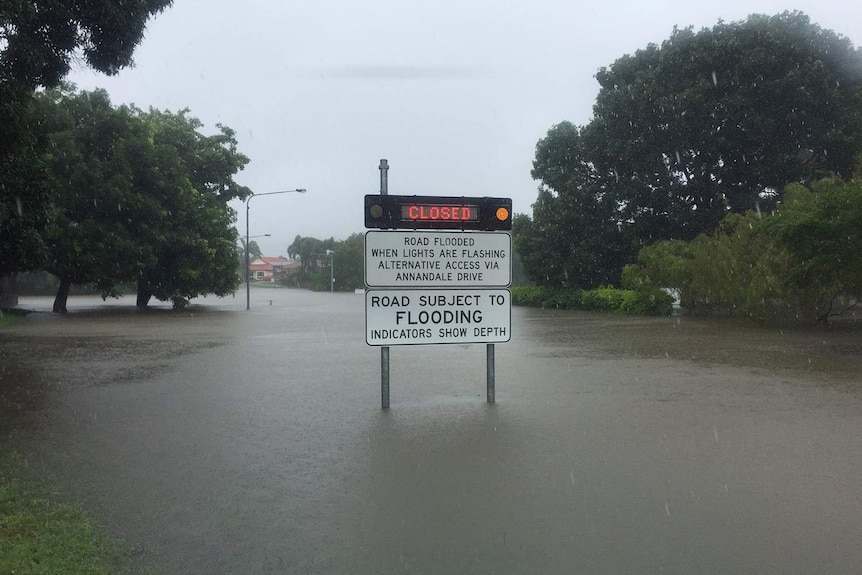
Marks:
<point>92,154</point>
<point>707,123</point>
<point>574,237</point>
<point>349,263</point>
<point>139,198</point>
<point>38,39</point>
<point>724,118</point>
<point>194,242</point>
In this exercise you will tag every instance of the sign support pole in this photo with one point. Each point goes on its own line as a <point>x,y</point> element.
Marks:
<point>384,377</point>
<point>384,351</point>
<point>492,384</point>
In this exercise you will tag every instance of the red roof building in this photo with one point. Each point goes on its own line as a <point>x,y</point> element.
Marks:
<point>270,269</point>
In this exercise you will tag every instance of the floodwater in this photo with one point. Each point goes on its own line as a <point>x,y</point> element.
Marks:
<point>219,440</point>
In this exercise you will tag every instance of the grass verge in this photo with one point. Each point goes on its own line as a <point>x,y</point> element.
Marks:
<point>41,535</point>
<point>10,316</point>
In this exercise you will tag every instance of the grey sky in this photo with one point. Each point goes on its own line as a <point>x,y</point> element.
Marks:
<point>454,94</point>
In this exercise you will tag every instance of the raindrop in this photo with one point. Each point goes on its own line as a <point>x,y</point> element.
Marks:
<point>667,508</point>
<point>714,78</point>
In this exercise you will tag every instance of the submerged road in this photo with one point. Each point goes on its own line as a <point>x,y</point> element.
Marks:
<point>222,441</point>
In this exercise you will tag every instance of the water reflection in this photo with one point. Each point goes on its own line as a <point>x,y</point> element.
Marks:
<point>833,351</point>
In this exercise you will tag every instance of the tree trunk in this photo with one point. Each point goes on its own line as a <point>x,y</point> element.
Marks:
<point>144,296</point>
<point>62,295</point>
<point>8,292</point>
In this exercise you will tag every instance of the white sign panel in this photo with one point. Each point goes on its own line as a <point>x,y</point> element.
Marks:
<point>437,259</point>
<point>410,317</point>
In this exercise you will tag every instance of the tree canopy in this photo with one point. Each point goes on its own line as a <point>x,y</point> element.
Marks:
<point>91,155</point>
<point>574,237</point>
<point>38,38</point>
<point>192,179</point>
<point>707,123</point>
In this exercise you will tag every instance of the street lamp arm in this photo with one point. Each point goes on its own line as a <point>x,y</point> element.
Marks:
<point>247,204</point>
<point>253,195</point>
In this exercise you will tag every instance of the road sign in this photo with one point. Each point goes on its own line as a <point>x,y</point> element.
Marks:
<point>437,259</point>
<point>438,212</point>
<point>415,317</point>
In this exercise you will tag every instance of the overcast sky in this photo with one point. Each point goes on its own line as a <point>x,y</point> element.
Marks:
<point>455,94</point>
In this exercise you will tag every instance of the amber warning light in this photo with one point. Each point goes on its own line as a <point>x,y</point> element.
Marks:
<point>432,212</point>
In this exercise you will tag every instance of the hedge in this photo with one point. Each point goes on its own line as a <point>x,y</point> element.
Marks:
<point>651,302</point>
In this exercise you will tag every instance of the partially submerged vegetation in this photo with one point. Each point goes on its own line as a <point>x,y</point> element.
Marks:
<point>637,302</point>
<point>801,263</point>
<point>692,144</point>
<point>40,534</point>
<point>10,316</point>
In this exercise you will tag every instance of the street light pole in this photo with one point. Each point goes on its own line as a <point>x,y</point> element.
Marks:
<point>248,264</point>
<point>247,271</point>
<point>331,255</point>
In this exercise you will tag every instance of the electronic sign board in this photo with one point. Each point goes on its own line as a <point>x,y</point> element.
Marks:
<point>438,212</point>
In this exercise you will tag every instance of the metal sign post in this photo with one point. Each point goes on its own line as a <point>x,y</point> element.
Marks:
<point>384,351</point>
<point>491,375</point>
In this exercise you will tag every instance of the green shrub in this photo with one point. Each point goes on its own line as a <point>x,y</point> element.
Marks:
<point>532,296</point>
<point>605,298</point>
<point>651,302</point>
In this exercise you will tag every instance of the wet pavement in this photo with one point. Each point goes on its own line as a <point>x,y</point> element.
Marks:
<point>224,441</point>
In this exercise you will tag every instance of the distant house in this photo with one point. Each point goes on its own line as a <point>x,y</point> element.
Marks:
<point>270,269</point>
